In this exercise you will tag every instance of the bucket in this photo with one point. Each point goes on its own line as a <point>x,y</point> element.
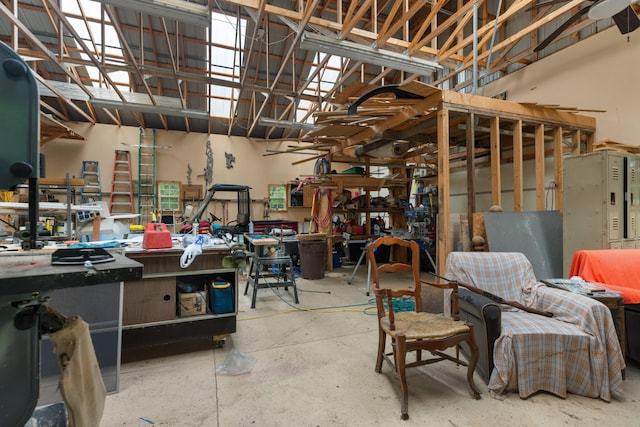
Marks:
<point>156,236</point>
<point>221,297</point>
<point>337,262</point>
<point>313,255</point>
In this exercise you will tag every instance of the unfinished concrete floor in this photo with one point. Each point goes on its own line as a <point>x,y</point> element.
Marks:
<point>315,368</point>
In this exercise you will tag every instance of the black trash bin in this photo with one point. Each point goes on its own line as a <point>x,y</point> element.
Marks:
<point>313,256</point>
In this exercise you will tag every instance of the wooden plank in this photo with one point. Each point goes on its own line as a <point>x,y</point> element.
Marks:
<point>479,229</point>
<point>419,88</point>
<point>444,191</point>
<point>471,169</point>
<point>496,184</point>
<point>539,166</point>
<point>62,182</point>
<point>575,142</point>
<point>518,168</point>
<point>558,167</point>
<point>527,113</point>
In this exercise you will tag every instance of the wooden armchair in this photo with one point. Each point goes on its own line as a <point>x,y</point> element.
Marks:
<point>414,331</point>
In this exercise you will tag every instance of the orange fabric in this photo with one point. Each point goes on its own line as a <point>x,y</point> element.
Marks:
<point>617,269</point>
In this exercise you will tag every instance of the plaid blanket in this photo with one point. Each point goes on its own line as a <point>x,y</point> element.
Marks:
<point>575,351</point>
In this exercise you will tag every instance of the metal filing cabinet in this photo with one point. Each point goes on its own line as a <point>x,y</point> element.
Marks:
<point>601,202</point>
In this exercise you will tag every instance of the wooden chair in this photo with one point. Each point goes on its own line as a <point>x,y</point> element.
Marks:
<point>414,331</point>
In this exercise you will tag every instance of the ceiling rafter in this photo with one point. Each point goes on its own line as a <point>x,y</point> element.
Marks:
<point>308,13</point>
<point>393,25</point>
<point>115,22</point>
<point>259,18</point>
<point>270,75</point>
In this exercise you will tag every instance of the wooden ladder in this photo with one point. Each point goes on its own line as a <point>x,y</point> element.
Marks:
<point>121,199</point>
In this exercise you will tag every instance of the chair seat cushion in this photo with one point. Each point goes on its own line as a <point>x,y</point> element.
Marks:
<point>423,325</point>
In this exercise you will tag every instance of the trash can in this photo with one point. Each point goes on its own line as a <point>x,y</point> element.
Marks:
<point>313,255</point>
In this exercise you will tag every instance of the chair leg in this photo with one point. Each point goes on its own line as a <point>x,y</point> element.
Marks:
<point>382,341</point>
<point>401,356</point>
<point>472,366</point>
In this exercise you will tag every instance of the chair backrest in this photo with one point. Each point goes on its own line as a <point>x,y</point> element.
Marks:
<point>411,248</point>
<point>506,274</point>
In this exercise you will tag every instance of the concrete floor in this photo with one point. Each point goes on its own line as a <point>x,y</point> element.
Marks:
<point>315,368</point>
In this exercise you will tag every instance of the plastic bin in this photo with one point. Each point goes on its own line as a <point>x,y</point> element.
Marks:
<point>313,255</point>
<point>221,297</point>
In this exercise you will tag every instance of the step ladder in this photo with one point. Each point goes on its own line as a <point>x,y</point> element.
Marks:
<point>146,176</point>
<point>92,191</point>
<point>121,199</point>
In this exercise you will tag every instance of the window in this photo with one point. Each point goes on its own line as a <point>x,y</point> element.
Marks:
<point>278,197</point>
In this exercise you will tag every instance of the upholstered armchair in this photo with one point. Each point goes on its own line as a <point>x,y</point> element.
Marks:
<point>574,351</point>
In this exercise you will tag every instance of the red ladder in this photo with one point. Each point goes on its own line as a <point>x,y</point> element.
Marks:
<point>121,199</point>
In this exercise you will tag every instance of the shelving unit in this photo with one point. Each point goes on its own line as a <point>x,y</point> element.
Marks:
<point>66,211</point>
<point>302,198</point>
<point>397,187</point>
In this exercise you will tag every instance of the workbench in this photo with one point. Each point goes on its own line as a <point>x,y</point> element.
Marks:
<point>150,305</point>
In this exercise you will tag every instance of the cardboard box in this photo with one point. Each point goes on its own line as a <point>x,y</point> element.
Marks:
<point>192,303</point>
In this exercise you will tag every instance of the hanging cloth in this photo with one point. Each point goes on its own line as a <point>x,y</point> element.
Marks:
<point>81,383</point>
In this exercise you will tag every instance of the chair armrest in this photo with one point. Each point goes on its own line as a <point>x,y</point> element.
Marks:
<point>593,317</point>
<point>486,318</point>
<point>480,306</point>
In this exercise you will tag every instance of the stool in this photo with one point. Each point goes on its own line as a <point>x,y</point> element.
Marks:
<point>284,276</point>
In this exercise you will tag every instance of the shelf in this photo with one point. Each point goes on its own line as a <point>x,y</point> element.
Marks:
<point>396,209</point>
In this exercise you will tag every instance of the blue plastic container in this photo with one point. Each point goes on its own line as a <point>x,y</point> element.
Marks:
<point>221,297</point>
<point>337,262</point>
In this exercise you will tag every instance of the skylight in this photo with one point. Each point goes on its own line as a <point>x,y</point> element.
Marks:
<point>90,31</point>
<point>226,61</point>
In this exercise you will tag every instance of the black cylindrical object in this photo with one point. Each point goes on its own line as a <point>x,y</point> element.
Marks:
<point>313,256</point>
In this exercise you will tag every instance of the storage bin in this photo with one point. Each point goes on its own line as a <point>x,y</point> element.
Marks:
<point>221,297</point>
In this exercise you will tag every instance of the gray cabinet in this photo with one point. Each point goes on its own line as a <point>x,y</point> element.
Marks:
<point>601,202</point>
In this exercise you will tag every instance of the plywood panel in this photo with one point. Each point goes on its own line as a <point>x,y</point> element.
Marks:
<point>149,300</point>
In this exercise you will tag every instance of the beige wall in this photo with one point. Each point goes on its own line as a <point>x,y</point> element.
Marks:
<point>250,168</point>
<point>598,73</point>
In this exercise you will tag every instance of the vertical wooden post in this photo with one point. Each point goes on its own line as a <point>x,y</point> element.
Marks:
<point>591,139</point>
<point>496,184</point>
<point>558,166</point>
<point>518,168</point>
<point>471,170</point>
<point>575,142</point>
<point>444,208</point>
<point>539,166</point>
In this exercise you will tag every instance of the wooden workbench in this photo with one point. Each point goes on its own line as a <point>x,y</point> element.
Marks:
<point>150,305</point>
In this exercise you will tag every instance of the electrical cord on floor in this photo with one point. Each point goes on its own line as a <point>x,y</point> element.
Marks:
<point>329,309</point>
